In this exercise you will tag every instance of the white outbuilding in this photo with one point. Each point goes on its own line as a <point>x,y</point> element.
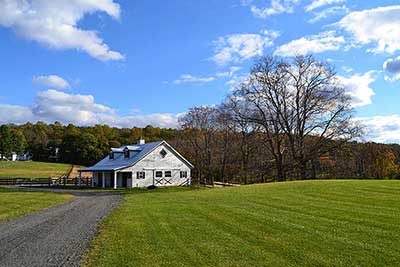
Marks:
<point>141,165</point>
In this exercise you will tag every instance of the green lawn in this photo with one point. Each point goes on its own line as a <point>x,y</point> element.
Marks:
<point>32,169</point>
<point>305,223</point>
<point>14,203</point>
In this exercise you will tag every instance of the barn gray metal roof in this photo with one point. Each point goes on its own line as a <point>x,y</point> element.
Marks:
<point>138,152</point>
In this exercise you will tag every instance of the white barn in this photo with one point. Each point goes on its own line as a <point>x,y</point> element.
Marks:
<point>141,165</point>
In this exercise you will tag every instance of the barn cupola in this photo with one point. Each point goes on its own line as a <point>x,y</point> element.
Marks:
<point>141,141</point>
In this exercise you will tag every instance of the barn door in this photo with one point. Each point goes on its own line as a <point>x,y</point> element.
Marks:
<point>158,178</point>
<point>162,178</point>
<point>125,177</point>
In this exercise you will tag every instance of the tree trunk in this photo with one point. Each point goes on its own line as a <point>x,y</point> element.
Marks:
<point>314,170</point>
<point>303,170</point>
<point>280,172</point>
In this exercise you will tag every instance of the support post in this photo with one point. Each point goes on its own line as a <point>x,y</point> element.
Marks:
<point>103,177</point>
<point>79,179</point>
<point>115,180</point>
<point>93,179</point>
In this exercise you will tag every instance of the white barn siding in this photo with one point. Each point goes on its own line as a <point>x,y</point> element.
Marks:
<point>155,162</point>
<point>145,158</point>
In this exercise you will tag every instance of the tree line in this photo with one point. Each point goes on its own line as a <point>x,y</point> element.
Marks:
<point>218,153</point>
<point>290,119</point>
<point>72,144</point>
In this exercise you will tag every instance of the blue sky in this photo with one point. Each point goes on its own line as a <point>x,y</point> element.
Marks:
<point>133,63</point>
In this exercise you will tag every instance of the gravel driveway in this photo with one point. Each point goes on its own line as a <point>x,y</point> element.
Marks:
<point>57,236</point>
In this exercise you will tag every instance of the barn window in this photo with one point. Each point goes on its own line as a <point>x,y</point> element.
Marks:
<point>168,174</point>
<point>163,153</point>
<point>183,174</point>
<point>126,153</point>
<point>158,173</point>
<point>111,155</point>
<point>140,175</point>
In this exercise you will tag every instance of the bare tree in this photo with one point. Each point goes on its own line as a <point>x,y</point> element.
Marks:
<point>300,105</point>
<point>315,109</point>
<point>199,128</point>
<point>245,133</point>
<point>257,100</point>
<point>225,134</point>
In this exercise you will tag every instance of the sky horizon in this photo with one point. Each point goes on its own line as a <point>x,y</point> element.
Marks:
<point>134,63</point>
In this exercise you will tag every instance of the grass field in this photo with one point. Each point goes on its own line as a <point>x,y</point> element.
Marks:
<point>31,169</point>
<point>305,223</point>
<point>14,203</point>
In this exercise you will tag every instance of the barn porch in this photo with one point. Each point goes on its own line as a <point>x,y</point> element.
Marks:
<point>110,179</point>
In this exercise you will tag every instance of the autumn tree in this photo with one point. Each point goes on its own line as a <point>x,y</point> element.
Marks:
<point>18,141</point>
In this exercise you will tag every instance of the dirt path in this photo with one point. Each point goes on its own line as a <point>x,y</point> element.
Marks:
<point>56,236</point>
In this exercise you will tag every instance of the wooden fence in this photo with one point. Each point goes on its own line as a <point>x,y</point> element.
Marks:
<point>26,181</point>
<point>62,181</point>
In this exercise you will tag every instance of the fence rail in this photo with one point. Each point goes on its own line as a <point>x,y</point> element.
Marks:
<point>62,181</point>
<point>26,181</point>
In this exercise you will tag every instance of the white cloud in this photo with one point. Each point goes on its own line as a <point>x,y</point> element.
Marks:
<point>239,47</point>
<point>52,105</point>
<point>78,108</point>
<point>379,26</point>
<point>277,7</point>
<point>165,120</point>
<point>347,69</point>
<point>358,87</point>
<point>382,129</point>
<point>320,3</point>
<point>319,43</point>
<point>392,66</point>
<point>55,23</point>
<point>15,114</point>
<point>188,78</point>
<point>230,73</point>
<point>329,12</point>
<point>236,81</point>
<point>53,81</point>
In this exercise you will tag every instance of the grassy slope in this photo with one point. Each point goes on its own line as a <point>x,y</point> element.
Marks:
<point>310,223</point>
<point>15,203</point>
<point>31,169</point>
